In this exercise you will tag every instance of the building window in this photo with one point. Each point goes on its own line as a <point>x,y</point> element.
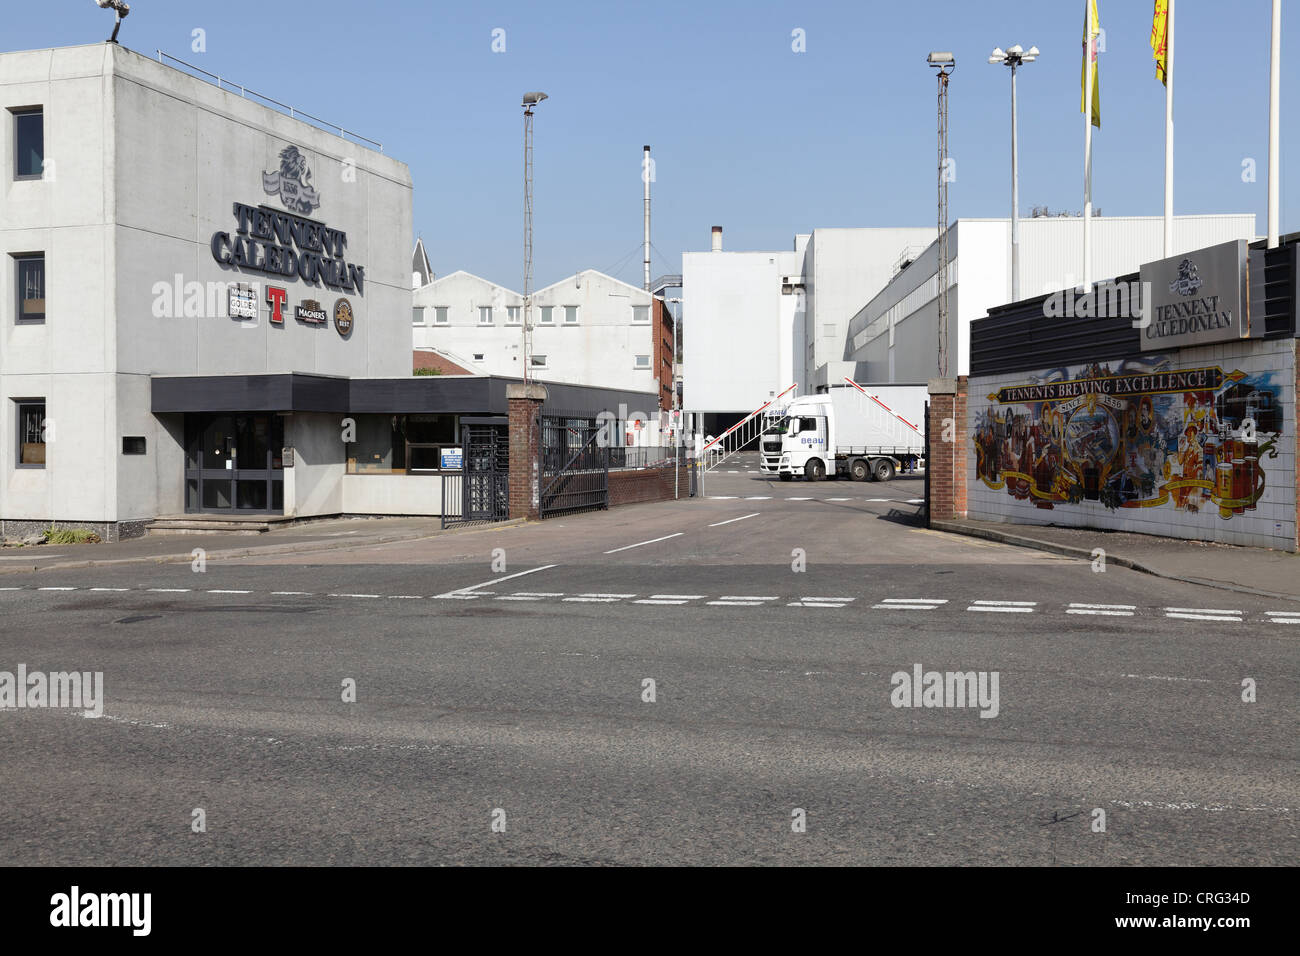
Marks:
<point>548,315</point>
<point>640,313</point>
<point>536,361</point>
<point>570,315</point>
<point>643,361</point>
<point>31,433</point>
<point>417,316</point>
<point>485,315</point>
<point>29,143</point>
<point>30,286</point>
<point>133,444</point>
<point>440,315</point>
<point>512,315</point>
<point>400,444</point>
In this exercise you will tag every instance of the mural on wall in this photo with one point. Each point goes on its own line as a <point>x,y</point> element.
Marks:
<point>1141,435</point>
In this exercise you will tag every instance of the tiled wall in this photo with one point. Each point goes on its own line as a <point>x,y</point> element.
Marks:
<point>1271,524</point>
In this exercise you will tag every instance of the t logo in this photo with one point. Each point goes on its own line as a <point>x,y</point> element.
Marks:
<point>276,299</point>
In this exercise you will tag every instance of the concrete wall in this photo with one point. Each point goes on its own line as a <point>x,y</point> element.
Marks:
<point>1001,483</point>
<point>314,485</point>
<point>392,494</point>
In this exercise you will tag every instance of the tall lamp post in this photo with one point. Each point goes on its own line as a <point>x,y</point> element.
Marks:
<point>677,418</point>
<point>942,61</point>
<point>1014,57</point>
<point>530,101</point>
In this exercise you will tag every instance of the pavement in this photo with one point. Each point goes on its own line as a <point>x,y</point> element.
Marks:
<point>1256,571</point>
<point>660,683</point>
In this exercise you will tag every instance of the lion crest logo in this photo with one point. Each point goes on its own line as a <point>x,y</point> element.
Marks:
<point>1188,281</point>
<point>292,182</point>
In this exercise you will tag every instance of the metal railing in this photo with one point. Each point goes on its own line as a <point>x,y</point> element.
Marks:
<point>746,432</point>
<point>574,466</point>
<point>291,111</point>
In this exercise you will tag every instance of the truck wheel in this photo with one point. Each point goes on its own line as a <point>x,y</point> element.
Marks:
<point>859,470</point>
<point>787,477</point>
<point>883,470</point>
<point>815,470</point>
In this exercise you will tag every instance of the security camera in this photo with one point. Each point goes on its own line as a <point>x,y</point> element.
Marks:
<point>121,8</point>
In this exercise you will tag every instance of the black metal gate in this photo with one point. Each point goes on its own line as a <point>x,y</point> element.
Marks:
<point>481,492</point>
<point>574,465</point>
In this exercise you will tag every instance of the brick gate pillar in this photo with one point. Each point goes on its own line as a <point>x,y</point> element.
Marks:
<point>947,433</point>
<point>525,412</point>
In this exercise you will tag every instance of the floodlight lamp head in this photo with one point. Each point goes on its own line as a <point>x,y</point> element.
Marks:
<point>940,59</point>
<point>532,99</point>
<point>997,56</point>
<point>1033,51</point>
<point>1016,50</point>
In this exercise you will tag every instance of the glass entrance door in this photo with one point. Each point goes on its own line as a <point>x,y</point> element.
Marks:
<point>233,463</point>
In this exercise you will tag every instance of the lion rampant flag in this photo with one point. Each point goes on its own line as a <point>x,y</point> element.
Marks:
<point>1091,30</point>
<point>1160,40</point>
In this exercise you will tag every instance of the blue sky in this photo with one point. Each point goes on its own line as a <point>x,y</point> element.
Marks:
<point>746,133</point>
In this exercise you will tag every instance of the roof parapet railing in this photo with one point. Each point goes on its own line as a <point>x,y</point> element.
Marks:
<point>292,112</point>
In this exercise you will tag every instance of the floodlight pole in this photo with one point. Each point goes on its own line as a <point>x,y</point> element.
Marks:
<point>530,100</point>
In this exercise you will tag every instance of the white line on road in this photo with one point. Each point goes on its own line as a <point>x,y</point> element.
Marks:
<point>354,595</point>
<point>741,518</point>
<point>1202,617</point>
<point>605,594</point>
<point>734,603</point>
<point>406,597</point>
<point>813,604</point>
<point>464,592</point>
<point>229,592</point>
<point>1201,610</point>
<point>300,593</point>
<point>843,600</point>
<point>628,547</point>
<point>799,499</point>
<point>751,597</point>
<point>1004,607</point>
<point>104,589</point>
<point>659,601</point>
<point>677,597</point>
<point>1283,617</point>
<point>914,601</point>
<point>839,499</point>
<point>722,497</point>
<point>1097,612</point>
<point>759,498</point>
<point>540,594</point>
<point>157,590</point>
<point>518,597</point>
<point>915,501</point>
<point>1008,603</point>
<point>593,600</point>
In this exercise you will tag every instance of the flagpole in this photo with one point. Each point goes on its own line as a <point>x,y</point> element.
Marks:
<point>1169,132</point>
<point>1087,151</point>
<point>1274,90</point>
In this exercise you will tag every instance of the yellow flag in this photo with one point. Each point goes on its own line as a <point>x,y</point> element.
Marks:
<point>1160,40</point>
<point>1091,30</point>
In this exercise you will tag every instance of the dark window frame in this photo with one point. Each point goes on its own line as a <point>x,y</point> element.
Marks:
<point>131,442</point>
<point>20,404</point>
<point>20,317</point>
<point>17,112</point>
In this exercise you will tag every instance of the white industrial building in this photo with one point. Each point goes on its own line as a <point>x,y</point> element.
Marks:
<point>894,337</point>
<point>588,329</point>
<point>758,322</point>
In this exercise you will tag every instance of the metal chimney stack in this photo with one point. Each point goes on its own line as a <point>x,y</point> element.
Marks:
<point>645,177</point>
<point>717,238</point>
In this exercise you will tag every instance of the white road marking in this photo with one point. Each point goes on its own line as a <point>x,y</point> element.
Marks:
<point>229,592</point>
<point>29,557</point>
<point>158,590</point>
<point>593,600</point>
<point>1203,614</point>
<point>909,604</point>
<point>1202,617</point>
<point>518,597</point>
<point>677,597</point>
<point>842,600</point>
<point>1202,610</point>
<point>759,498</point>
<point>605,594</point>
<point>839,499</point>
<point>813,604</point>
<point>1283,617</point>
<point>406,597</point>
<point>658,601</point>
<point>799,499</point>
<point>722,497</point>
<point>1004,607</point>
<point>1103,610</point>
<point>878,499</point>
<point>750,597</point>
<point>354,595</point>
<point>729,520</point>
<point>94,589</point>
<point>459,592</point>
<point>540,594</point>
<point>56,589</point>
<point>734,603</point>
<point>304,593</point>
<point>629,547</point>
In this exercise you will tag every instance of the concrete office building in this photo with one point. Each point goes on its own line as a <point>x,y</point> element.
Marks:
<point>894,337</point>
<point>760,322</point>
<point>205,310</point>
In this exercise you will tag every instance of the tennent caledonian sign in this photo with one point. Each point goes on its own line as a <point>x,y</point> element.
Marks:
<point>277,243</point>
<point>1197,299</point>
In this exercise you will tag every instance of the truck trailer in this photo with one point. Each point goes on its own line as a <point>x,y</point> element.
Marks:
<point>846,431</point>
